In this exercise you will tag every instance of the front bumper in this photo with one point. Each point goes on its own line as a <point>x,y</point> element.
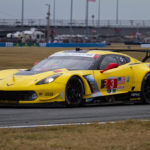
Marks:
<point>18,95</point>
<point>48,93</point>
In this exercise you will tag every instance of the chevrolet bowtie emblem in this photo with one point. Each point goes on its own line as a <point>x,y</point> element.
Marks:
<point>9,84</point>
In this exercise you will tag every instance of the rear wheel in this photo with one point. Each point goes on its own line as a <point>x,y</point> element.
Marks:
<point>74,92</point>
<point>146,89</point>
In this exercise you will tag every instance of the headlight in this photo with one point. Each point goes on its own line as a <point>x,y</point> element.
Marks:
<point>48,79</point>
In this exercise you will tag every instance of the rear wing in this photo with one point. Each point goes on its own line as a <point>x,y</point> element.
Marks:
<point>147,52</point>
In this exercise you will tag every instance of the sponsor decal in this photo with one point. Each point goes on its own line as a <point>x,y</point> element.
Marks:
<point>109,83</point>
<point>135,94</point>
<point>89,99</point>
<point>148,65</point>
<point>135,99</point>
<point>121,80</point>
<point>74,54</point>
<point>112,84</point>
<point>57,71</point>
<point>104,83</point>
<point>96,56</point>
<point>97,94</point>
<point>48,94</point>
<point>128,79</point>
<point>62,95</point>
<point>121,87</point>
<point>109,91</point>
<point>114,90</point>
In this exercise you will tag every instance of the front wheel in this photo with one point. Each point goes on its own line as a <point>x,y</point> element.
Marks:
<point>146,89</point>
<point>74,92</point>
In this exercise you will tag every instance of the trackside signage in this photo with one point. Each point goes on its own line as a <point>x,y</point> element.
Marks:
<point>145,45</point>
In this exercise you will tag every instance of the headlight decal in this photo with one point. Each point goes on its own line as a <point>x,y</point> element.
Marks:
<point>48,79</point>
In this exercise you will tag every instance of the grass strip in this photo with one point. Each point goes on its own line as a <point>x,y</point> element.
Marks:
<point>127,135</point>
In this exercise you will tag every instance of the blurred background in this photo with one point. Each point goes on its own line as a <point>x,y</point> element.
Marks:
<point>75,21</point>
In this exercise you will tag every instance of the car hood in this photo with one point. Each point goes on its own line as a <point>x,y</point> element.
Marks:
<point>24,78</point>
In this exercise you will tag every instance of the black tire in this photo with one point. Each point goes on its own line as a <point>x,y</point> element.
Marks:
<point>74,92</point>
<point>145,91</point>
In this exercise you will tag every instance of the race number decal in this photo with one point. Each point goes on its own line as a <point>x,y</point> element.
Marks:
<point>110,85</point>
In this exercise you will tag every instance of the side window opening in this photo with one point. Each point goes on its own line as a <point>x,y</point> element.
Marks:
<point>122,60</point>
<point>106,61</point>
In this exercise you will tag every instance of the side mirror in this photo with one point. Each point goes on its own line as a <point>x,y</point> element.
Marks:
<point>110,66</point>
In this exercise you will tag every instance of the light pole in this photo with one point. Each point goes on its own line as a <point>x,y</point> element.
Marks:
<point>71,14</point>
<point>48,23</point>
<point>86,19</point>
<point>99,11</point>
<point>22,13</point>
<point>54,13</point>
<point>117,11</point>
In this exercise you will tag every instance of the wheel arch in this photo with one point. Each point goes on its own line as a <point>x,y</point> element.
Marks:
<point>144,95</point>
<point>139,72</point>
<point>79,94</point>
<point>87,90</point>
<point>144,78</point>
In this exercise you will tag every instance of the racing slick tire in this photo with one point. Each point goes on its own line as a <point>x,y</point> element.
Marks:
<point>74,92</point>
<point>145,91</point>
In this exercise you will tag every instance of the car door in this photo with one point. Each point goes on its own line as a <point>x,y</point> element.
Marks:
<point>116,80</point>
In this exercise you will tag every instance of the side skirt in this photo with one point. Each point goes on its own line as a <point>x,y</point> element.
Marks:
<point>131,97</point>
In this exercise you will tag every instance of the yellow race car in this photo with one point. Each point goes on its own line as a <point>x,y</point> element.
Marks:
<point>76,77</point>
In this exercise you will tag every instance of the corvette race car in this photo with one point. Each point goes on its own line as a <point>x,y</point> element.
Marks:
<point>76,77</point>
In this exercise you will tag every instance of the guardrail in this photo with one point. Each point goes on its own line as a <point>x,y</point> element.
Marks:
<point>81,23</point>
<point>52,44</point>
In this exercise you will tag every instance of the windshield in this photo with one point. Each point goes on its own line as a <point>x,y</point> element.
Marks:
<point>70,63</point>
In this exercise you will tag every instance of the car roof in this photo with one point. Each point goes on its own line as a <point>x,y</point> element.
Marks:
<point>84,53</point>
<point>101,52</point>
<point>105,52</point>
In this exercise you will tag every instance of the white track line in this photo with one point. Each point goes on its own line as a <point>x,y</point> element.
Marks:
<point>50,125</point>
<point>53,125</point>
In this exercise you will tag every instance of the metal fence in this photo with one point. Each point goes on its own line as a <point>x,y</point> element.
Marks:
<point>81,23</point>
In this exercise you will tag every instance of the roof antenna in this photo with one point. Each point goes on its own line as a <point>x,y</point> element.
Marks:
<point>78,49</point>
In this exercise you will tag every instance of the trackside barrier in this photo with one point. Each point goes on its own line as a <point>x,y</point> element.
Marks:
<point>9,44</point>
<point>26,44</point>
<point>2,44</point>
<point>75,45</point>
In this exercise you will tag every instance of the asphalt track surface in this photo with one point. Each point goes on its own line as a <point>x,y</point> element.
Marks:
<point>49,116</point>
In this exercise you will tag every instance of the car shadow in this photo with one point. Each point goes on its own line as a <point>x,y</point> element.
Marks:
<point>63,106</point>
